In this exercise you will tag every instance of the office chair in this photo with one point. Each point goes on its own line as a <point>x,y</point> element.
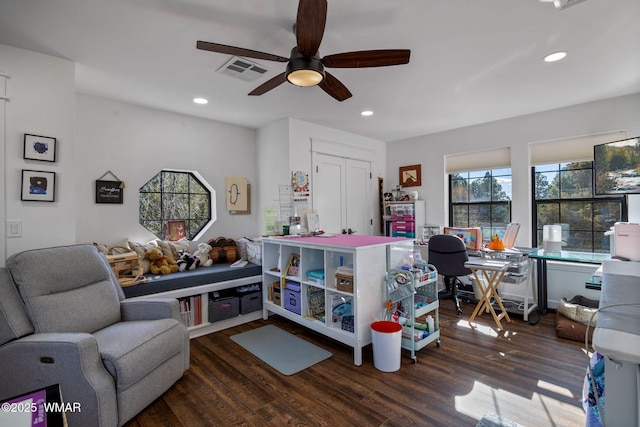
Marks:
<point>448,254</point>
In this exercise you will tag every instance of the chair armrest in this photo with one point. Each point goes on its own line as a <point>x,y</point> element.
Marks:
<point>69,359</point>
<point>150,309</point>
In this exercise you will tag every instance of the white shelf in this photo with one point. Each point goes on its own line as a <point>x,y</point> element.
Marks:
<point>206,327</point>
<point>369,263</point>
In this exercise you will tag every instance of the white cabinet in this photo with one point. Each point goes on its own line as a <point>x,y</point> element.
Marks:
<point>341,307</point>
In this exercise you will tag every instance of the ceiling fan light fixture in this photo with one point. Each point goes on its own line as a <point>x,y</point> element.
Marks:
<point>305,78</point>
<point>303,70</point>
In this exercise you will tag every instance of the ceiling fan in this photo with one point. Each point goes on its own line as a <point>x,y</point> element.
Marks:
<point>305,67</point>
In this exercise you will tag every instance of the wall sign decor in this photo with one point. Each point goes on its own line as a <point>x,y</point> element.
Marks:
<point>39,148</point>
<point>411,176</point>
<point>237,195</point>
<point>38,186</point>
<point>109,191</point>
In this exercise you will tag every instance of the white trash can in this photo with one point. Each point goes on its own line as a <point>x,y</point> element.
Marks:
<point>386,338</point>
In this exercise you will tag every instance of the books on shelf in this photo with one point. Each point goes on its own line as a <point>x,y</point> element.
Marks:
<point>191,310</point>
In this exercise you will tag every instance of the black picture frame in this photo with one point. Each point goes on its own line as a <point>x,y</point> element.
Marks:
<point>109,192</point>
<point>38,186</point>
<point>37,147</point>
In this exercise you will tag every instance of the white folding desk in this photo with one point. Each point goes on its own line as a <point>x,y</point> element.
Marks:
<point>492,271</point>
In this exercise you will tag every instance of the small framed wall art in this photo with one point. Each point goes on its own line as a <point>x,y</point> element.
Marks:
<point>39,148</point>
<point>410,176</point>
<point>109,191</point>
<point>38,186</point>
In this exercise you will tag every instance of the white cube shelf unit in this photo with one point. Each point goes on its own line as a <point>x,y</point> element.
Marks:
<point>324,306</point>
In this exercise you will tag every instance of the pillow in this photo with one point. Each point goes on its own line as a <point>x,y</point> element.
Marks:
<point>172,249</point>
<point>141,249</point>
<point>168,248</point>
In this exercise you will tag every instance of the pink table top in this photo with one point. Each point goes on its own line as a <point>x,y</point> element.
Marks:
<point>350,240</point>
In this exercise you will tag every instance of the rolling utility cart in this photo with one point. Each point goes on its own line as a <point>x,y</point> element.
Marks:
<point>411,295</point>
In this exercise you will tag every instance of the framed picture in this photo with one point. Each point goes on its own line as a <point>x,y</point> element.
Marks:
<point>176,230</point>
<point>38,186</point>
<point>109,192</point>
<point>39,148</point>
<point>410,176</point>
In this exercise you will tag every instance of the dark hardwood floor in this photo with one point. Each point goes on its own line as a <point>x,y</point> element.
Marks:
<point>524,373</point>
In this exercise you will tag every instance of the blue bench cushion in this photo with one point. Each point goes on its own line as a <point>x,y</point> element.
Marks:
<point>187,279</point>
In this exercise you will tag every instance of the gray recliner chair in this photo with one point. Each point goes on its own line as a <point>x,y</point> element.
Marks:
<point>64,320</point>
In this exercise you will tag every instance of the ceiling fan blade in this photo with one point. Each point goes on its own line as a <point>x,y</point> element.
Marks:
<point>239,51</point>
<point>335,88</point>
<point>312,17</point>
<point>367,58</point>
<point>268,85</point>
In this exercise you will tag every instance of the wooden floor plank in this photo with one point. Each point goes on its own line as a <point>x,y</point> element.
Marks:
<point>524,373</point>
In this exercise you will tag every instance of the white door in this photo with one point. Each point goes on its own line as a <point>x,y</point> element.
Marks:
<point>341,190</point>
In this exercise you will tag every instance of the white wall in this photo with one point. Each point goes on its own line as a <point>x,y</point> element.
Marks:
<point>516,133</point>
<point>285,146</point>
<point>272,165</point>
<point>97,135</point>
<point>42,92</point>
<point>135,143</point>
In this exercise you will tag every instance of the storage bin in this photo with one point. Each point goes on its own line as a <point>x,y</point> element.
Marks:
<point>223,308</point>
<point>344,283</point>
<point>250,297</point>
<point>291,297</point>
<point>250,302</point>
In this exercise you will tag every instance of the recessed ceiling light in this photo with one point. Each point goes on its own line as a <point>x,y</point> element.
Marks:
<point>367,113</point>
<point>555,56</point>
<point>200,100</point>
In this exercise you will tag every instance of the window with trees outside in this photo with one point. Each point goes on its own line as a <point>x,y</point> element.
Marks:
<point>563,194</point>
<point>481,199</point>
<point>176,204</point>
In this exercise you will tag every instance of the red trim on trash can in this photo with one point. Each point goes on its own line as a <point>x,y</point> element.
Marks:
<point>386,326</point>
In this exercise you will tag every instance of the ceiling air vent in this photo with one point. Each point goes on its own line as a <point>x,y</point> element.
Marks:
<point>242,69</point>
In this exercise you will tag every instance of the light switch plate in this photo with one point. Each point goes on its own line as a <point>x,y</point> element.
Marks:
<point>14,228</point>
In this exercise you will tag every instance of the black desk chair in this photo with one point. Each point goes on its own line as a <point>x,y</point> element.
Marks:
<point>448,254</point>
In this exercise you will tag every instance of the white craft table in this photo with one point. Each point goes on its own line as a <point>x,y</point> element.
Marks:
<point>492,271</point>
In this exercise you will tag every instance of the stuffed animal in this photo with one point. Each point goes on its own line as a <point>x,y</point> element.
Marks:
<point>187,261</point>
<point>203,255</point>
<point>160,263</point>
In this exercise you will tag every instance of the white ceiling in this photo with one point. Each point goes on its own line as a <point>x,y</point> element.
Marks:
<point>472,61</point>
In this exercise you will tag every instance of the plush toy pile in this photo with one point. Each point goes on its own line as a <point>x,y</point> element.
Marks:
<point>187,262</point>
<point>203,255</point>
<point>160,263</point>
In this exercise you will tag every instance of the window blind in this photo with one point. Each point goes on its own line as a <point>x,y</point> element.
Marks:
<point>579,148</point>
<point>494,158</point>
